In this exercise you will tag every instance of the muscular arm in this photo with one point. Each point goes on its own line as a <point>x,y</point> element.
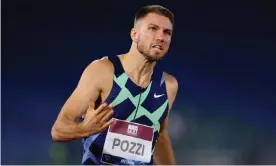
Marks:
<point>163,154</point>
<point>66,126</point>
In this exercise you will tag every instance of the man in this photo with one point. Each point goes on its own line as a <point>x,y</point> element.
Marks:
<point>124,101</point>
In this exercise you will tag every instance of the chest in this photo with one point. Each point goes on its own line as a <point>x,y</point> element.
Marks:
<point>146,106</point>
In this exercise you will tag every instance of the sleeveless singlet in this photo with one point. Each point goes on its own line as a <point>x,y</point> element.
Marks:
<point>146,106</point>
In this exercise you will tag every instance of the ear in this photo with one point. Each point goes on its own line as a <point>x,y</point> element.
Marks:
<point>134,35</point>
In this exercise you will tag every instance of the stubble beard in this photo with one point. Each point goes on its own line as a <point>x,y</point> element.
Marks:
<point>146,53</point>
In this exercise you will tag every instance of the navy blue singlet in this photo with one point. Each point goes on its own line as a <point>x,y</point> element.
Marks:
<point>147,106</point>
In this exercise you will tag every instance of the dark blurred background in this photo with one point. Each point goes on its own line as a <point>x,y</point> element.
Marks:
<point>222,53</point>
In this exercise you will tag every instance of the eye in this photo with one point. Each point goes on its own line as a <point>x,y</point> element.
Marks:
<point>168,33</point>
<point>153,28</point>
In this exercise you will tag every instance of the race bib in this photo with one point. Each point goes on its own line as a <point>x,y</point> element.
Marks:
<point>127,141</point>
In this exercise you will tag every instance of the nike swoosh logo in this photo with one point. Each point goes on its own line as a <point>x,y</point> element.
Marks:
<point>157,96</point>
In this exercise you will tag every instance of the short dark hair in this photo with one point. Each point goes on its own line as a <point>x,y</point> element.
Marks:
<point>154,9</point>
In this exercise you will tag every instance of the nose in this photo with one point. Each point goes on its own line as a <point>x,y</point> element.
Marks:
<point>160,36</point>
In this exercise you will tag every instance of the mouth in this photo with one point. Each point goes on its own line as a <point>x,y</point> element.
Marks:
<point>157,47</point>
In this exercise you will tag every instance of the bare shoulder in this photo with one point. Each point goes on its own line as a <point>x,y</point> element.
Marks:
<point>96,73</point>
<point>171,82</point>
<point>172,87</point>
<point>101,66</point>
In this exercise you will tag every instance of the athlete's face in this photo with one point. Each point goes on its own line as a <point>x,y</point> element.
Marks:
<point>153,35</point>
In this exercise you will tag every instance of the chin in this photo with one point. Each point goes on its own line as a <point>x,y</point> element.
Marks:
<point>154,58</point>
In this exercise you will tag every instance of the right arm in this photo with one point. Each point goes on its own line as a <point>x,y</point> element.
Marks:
<point>66,126</point>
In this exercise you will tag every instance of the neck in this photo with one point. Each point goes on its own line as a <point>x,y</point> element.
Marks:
<point>138,68</point>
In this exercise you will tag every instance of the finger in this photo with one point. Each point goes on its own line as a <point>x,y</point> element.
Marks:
<point>105,111</point>
<point>106,116</point>
<point>105,125</point>
<point>101,107</point>
<point>111,106</point>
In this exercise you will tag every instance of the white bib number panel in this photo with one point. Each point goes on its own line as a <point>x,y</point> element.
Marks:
<point>127,141</point>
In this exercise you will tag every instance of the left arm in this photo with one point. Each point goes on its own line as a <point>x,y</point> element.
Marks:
<point>163,153</point>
